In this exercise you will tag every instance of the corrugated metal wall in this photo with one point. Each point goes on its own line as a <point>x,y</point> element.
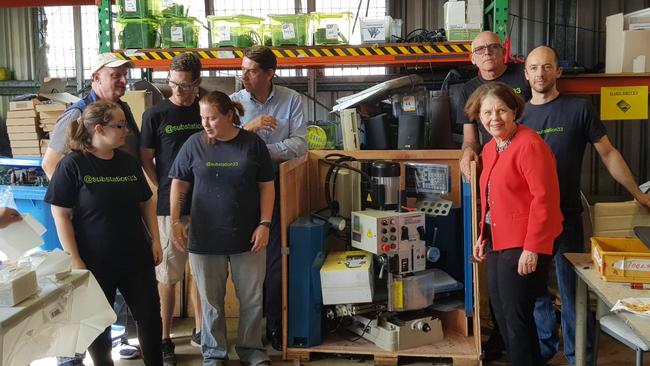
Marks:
<point>20,48</point>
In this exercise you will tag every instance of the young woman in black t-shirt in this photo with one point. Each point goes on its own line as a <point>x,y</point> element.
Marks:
<point>231,173</point>
<point>99,199</point>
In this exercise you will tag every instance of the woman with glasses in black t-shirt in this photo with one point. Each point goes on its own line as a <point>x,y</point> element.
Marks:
<point>99,199</point>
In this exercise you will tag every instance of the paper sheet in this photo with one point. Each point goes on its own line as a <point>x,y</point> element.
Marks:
<point>21,236</point>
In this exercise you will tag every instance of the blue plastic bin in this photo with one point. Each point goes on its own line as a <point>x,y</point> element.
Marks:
<point>29,199</point>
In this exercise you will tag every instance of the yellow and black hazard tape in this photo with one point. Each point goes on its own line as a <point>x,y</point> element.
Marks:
<point>415,50</point>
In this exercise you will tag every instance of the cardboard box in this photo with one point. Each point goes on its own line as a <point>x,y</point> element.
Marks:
<point>21,121</point>
<point>27,113</point>
<point>624,45</point>
<point>618,219</point>
<point>48,121</point>
<point>347,277</point>
<point>21,285</point>
<point>50,115</point>
<point>139,101</point>
<point>26,151</point>
<point>18,129</point>
<point>21,105</point>
<point>50,107</point>
<point>25,143</point>
<point>23,136</point>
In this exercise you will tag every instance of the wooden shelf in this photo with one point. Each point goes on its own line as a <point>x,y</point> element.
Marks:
<point>590,84</point>
<point>447,53</point>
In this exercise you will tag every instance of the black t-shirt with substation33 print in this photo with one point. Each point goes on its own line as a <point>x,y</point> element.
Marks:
<point>165,128</point>
<point>226,198</point>
<point>105,198</point>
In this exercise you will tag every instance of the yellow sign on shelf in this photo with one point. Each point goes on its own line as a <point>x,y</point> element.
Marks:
<point>624,102</point>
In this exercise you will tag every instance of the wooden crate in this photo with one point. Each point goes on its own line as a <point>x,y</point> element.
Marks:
<point>301,191</point>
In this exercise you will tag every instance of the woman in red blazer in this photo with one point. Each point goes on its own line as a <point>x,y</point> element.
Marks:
<point>520,217</point>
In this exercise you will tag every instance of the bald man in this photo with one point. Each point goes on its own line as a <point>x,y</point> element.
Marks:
<point>488,54</point>
<point>567,125</point>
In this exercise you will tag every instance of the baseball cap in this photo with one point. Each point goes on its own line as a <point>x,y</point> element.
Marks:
<point>108,59</point>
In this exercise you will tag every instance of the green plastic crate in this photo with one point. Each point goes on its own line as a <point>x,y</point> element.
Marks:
<point>235,31</point>
<point>179,33</point>
<point>171,8</point>
<point>290,30</point>
<point>331,28</point>
<point>136,9</point>
<point>137,33</point>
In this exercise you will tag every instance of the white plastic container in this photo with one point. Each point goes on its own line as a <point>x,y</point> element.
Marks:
<point>375,30</point>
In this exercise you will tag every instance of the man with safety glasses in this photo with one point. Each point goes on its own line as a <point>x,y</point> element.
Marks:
<point>488,54</point>
<point>165,128</point>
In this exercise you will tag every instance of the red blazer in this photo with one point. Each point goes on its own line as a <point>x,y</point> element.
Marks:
<point>524,194</point>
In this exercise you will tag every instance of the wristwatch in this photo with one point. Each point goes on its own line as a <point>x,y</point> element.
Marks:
<point>266,223</point>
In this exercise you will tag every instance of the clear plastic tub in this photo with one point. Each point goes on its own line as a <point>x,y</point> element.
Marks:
<point>331,28</point>
<point>290,30</point>
<point>136,8</point>
<point>179,33</point>
<point>235,31</point>
<point>137,33</point>
<point>375,30</point>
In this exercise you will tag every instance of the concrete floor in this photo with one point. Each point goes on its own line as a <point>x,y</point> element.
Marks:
<point>611,353</point>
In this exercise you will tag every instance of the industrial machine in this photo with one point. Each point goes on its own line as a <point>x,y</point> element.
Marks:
<point>382,287</point>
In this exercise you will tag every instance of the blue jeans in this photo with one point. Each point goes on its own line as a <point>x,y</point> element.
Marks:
<point>570,241</point>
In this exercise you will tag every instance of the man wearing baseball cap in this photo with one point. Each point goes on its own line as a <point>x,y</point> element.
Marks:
<point>108,82</point>
<point>108,76</point>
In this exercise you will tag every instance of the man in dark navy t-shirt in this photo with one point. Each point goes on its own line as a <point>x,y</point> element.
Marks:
<point>165,128</point>
<point>567,125</point>
<point>487,54</point>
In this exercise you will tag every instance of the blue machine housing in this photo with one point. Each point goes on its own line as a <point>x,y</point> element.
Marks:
<point>307,239</point>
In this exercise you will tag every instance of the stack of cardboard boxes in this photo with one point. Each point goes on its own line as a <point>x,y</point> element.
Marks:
<point>29,123</point>
<point>48,115</point>
<point>22,127</point>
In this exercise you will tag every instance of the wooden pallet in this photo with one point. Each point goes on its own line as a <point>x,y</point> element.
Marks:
<point>453,348</point>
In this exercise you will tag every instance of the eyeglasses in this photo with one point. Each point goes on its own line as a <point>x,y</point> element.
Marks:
<point>181,86</point>
<point>119,127</point>
<point>482,50</point>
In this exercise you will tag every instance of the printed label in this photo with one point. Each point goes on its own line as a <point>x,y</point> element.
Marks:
<point>177,34</point>
<point>408,103</point>
<point>288,32</point>
<point>223,33</point>
<point>373,32</point>
<point>598,258</point>
<point>130,6</point>
<point>642,265</point>
<point>332,31</point>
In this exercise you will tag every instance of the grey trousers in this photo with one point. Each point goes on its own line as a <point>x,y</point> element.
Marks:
<point>248,270</point>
